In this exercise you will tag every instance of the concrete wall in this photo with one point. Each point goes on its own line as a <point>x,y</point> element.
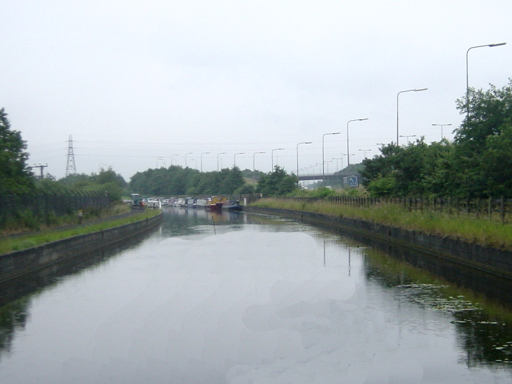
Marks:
<point>490,260</point>
<point>19,263</point>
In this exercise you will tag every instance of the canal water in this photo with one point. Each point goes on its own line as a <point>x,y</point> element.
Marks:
<point>246,298</point>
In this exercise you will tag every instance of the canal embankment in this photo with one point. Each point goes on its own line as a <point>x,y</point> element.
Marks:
<point>71,246</point>
<point>458,250</point>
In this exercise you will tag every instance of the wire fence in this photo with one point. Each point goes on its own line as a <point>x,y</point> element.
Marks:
<point>42,206</point>
<point>494,209</point>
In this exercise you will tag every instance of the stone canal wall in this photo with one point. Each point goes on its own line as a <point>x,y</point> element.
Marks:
<point>19,263</point>
<point>490,260</point>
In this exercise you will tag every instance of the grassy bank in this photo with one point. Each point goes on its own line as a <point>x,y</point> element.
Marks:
<point>28,223</point>
<point>10,244</point>
<point>471,229</point>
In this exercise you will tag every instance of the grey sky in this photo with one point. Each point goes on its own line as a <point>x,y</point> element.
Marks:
<point>140,84</point>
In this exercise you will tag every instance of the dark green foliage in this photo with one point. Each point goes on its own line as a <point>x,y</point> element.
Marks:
<point>497,163</point>
<point>482,156</point>
<point>418,169</point>
<point>245,189</point>
<point>106,181</point>
<point>15,177</point>
<point>477,165</point>
<point>186,181</point>
<point>382,186</point>
<point>48,203</point>
<point>277,183</point>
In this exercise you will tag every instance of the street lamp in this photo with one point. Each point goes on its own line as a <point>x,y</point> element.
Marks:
<point>365,151</point>
<point>348,148</point>
<point>218,154</point>
<point>407,137</point>
<point>304,142</point>
<point>467,69</point>
<point>160,159</point>
<point>254,159</point>
<point>327,162</point>
<point>397,95</point>
<point>172,159</point>
<point>323,157</point>
<point>203,153</point>
<point>275,149</point>
<point>234,157</point>
<point>186,155</point>
<point>442,126</point>
<point>337,164</point>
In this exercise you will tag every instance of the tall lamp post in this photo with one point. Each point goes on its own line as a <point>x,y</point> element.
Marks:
<point>407,137</point>
<point>254,160</point>
<point>304,142</point>
<point>442,126</point>
<point>467,69</point>
<point>397,98</point>
<point>186,156</point>
<point>172,159</point>
<point>234,157</point>
<point>348,122</point>
<point>203,153</point>
<point>337,164</point>
<point>365,152</point>
<point>275,149</point>
<point>218,155</point>
<point>327,162</point>
<point>323,152</point>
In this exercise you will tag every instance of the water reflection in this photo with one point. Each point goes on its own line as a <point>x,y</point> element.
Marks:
<point>13,317</point>
<point>238,298</point>
<point>16,295</point>
<point>483,325</point>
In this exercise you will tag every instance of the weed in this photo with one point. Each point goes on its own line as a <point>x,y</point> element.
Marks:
<point>468,228</point>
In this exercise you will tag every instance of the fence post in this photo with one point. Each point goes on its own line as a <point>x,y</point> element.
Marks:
<point>502,209</point>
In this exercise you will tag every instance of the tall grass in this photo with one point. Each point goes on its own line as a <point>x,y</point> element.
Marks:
<point>471,229</point>
<point>10,244</point>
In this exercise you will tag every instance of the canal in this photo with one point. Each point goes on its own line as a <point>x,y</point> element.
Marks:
<point>247,298</point>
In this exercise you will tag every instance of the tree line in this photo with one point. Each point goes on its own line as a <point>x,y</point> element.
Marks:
<point>176,180</point>
<point>477,164</point>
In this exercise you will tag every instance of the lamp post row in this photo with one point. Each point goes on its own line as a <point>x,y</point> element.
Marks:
<point>361,119</point>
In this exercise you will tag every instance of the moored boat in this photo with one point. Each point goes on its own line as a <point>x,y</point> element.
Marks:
<point>232,205</point>
<point>216,203</point>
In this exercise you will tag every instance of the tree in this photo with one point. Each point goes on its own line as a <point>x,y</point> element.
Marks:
<point>178,181</point>
<point>417,169</point>
<point>277,183</point>
<point>15,176</point>
<point>482,138</point>
<point>106,181</point>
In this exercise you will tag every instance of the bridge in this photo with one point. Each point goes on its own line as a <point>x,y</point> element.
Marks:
<point>321,177</point>
<point>349,180</point>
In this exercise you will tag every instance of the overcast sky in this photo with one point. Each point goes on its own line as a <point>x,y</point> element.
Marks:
<point>141,84</point>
